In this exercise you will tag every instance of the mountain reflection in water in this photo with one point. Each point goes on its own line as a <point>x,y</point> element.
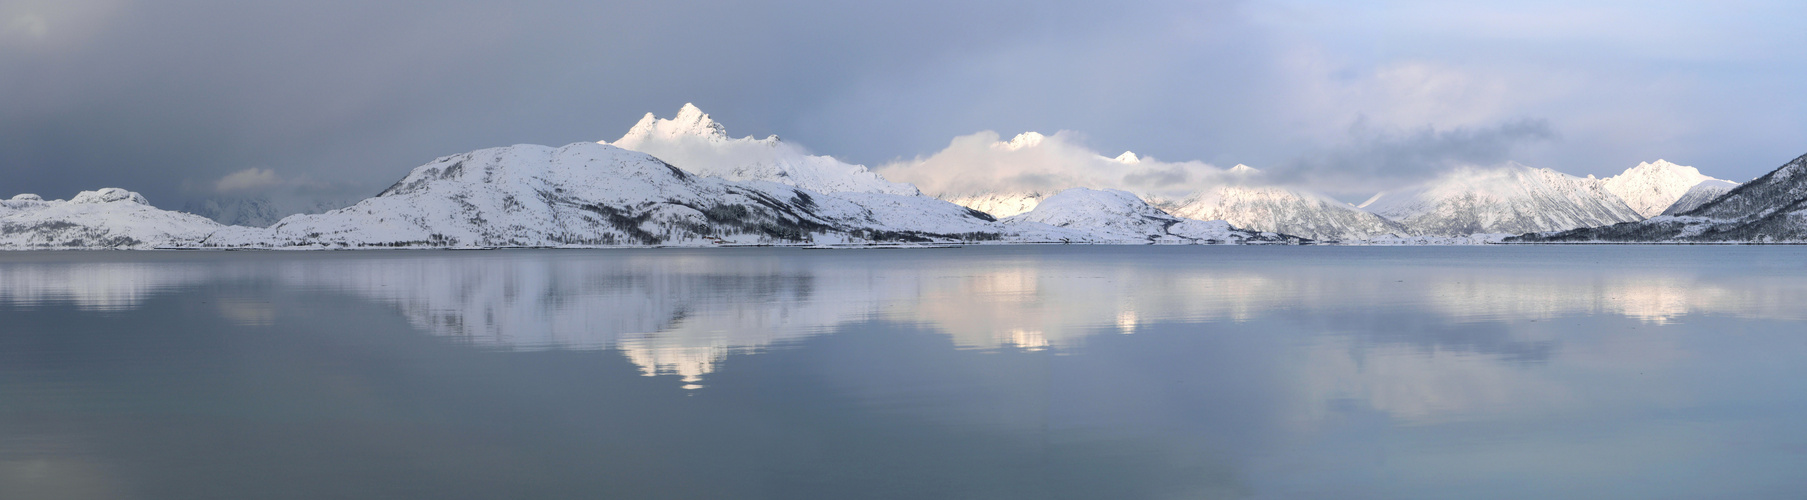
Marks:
<point>1129,372</point>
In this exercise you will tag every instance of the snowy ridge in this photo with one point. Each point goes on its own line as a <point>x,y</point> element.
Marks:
<point>595,195</point>
<point>103,218</point>
<point>696,143</point>
<point>1768,209</point>
<point>1651,188</point>
<point>1699,195</point>
<point>1113,216</point>
<point>1512,199</point>
<point>589,194</point>
<point>1281,210</point>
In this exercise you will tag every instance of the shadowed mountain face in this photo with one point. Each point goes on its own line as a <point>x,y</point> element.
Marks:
<point>1770,209</point>
<point>1699,195</point>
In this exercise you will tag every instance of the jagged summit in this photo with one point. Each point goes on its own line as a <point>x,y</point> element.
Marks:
<point>690,121</point>
<point>1768,209</point>
<point>1128,157</point>
<point>694,142</point>
<point>1651,188</point>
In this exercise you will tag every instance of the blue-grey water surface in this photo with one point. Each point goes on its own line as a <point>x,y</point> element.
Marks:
<point>980,372</point>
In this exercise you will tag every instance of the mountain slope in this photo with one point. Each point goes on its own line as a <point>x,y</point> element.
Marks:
<point>1771,208</point>
<point>589,194</point>
<point>694,142</point>
<point>1511,199</point>
<point>1699,195</point>
<point>1287,211</point>
<point>104,218</point>
<point>1651,188</point>
<point>1113,216</point>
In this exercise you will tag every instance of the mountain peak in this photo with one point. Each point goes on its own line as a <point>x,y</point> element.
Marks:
<point>1652,187</point>
<point>1024,140</point>
<point>1241,169</point>
<point>1661,167</point>
<point>689,112</point>
<point>690,121</point>
<point>1128,157</point>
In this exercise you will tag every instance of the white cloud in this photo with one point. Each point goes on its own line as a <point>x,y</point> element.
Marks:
<point>249,180</point>
<point>1032,162</point>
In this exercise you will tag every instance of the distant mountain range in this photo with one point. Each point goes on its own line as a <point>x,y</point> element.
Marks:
<point>1769,209</point>
<point>685,182</point>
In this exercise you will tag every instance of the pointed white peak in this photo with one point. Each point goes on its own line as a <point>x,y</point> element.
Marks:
<point>694,142</point>
<point>1128,158</point>
<point>1651,187</point>
<point>690,121</point>
<point>1241,169</point>
<point>1023,140</point>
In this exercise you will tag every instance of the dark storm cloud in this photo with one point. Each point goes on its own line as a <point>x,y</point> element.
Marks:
<point>171,97</point>
<point>1375,159</point>
<point>155,96</point>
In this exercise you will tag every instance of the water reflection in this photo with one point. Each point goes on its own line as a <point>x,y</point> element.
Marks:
<point>982,372</point>
<point>681,312</point>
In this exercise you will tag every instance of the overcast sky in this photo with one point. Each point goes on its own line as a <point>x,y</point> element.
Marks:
<point>181,99</point>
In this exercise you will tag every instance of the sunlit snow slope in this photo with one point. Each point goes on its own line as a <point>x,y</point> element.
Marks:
<point>1511,199</point>
<point>1651,188</point>
<point>1113,216</point>
<point>1282,210</point>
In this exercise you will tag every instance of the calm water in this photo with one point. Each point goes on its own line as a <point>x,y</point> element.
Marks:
<point>1039,372</point>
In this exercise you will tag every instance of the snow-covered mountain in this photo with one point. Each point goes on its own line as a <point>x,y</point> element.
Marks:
<point>1114,216</point>
<point>1511,199</point>
<point>1651,187</point>
<point>104,218</point>
<point>1699,195</point>
<point>1282,210</point>
<point>1771,208</point>
<point>694,142</point>
<point>589,194</point>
